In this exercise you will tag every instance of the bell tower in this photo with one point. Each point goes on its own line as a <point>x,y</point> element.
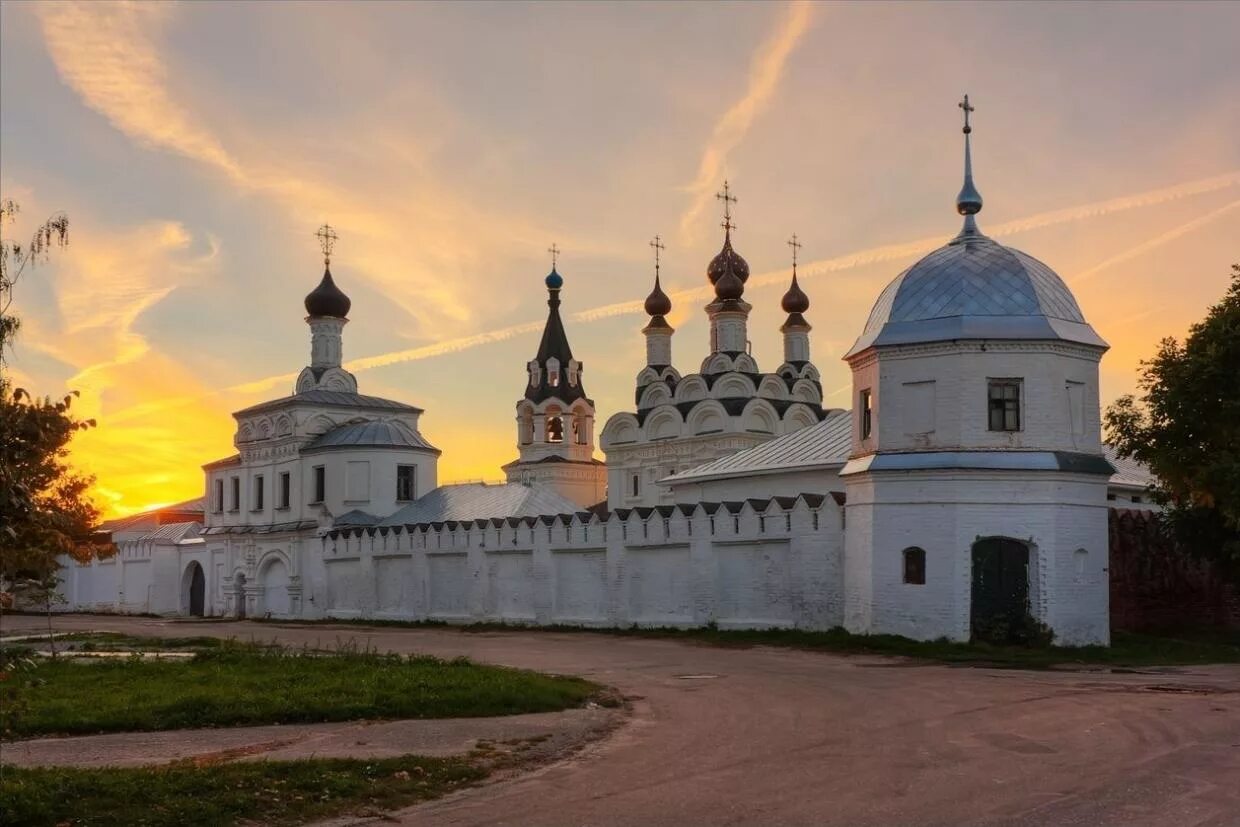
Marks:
<point>555,418</point>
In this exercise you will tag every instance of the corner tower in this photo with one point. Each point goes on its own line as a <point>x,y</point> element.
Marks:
<point>976,482</point>
<point>555,419</point>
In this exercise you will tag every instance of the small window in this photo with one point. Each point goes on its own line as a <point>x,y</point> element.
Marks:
<point>320,484</point>
<point>915,566</point>
<point>1004,404</point>
<point>285,489</point>
<point>234,503</point>
<point>258,492</point>
<point>637,485</point>
<point>1111,497</point>
<point>219,496</point>
<point>406,488</point>
<point>867,413</point>
<point>1136,498</point>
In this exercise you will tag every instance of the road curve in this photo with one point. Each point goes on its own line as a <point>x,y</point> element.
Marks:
<point>767,736</point>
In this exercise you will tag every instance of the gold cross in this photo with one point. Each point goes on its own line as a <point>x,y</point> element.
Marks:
<point>657,244</point>
<point>327,238</point>
<point>795,245</point>
<point>964,104</point>
<point>728,200</point>
<point>555,254</point>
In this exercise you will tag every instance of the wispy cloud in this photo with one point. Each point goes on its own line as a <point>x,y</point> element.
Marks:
<point>765,71</point>
<point>110,55</point>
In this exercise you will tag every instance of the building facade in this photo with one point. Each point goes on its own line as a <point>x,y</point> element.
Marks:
<point>965,490</point>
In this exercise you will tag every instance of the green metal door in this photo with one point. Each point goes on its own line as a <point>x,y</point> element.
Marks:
<point>1000,588</point>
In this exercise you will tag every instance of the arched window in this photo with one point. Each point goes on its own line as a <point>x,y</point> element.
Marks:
<point>915,566</point>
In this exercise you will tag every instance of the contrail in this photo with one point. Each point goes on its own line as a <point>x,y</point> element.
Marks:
<point>847,261</point>
<point>765,71</point>
<point>1157,241</point>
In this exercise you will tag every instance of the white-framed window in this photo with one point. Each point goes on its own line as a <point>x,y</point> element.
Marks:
<point>234,501</point>
<point>217,501</point>
<point>866,406</point>
<point>1003,404</point>
<point>259,491</point>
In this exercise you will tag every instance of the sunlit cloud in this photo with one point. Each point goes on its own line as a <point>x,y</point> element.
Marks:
<point>109,54</point>
<point>765,70</point>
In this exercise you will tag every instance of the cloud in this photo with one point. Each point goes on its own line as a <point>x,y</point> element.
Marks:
<point>765,71</point>
<point>109,54</point>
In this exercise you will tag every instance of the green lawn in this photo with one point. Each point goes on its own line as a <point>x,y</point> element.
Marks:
<point>251,792</point>
<point>1126,649</point>
<point>238,685</point>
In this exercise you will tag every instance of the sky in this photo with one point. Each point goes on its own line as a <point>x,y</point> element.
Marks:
<point>197,148</point>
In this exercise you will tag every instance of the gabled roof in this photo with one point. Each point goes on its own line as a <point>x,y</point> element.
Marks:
<point>331,399</point>
<point>480,501</point>
<point>1128,472</point>
<point>372,434</point>
<point>826,443</point>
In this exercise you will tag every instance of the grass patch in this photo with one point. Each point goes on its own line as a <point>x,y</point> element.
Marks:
<point>1126,649</point>
<point>241,685</point>
<point>250,792</point>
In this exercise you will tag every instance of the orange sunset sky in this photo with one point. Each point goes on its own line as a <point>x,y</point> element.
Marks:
<point>197,147</point>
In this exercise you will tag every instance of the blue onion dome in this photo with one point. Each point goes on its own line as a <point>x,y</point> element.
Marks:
<point>554,280</point>
<point>327,299</point>
<point>657,303</point>
<point>728,260</point>
<point>795,300</point>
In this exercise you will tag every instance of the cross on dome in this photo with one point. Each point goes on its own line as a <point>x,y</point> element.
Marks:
<point>555,254</point>
<point>327,239</point>
<point>796,246</point>
<point>728,200</point>
<point>964,104</point>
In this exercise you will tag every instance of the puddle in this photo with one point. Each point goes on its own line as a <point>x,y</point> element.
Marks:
<point>694,677</point>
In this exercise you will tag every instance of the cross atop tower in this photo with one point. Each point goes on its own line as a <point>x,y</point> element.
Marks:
<point>555,254</point>
<point>796,246</point>
<point>964,104</point>
<point>327,239</point>
<point>728,200</point>
<point>657,244</point>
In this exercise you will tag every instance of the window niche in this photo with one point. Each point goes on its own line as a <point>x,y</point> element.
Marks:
<point>915,566</point>
<point>866,407</point>
<point>406,483</point>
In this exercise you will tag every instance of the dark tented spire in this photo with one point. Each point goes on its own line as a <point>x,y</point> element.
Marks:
<point>554,345</point>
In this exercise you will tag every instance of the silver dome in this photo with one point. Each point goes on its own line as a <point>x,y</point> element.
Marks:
<point>975,288</point>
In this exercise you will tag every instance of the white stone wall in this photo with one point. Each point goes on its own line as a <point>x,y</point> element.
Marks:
<point>775,568</point>
<point>1055,514</point>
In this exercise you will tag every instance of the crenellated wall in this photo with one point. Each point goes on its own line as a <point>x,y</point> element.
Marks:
<point>751,564</point>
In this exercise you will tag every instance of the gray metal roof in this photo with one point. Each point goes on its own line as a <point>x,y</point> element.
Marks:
<point>480,501</point>
<point>379,433</point>
<point>334,399</point>
<point>1128,472</point>
<point>975,288</point>
<point>1066,461</point>
<point>826,443</point>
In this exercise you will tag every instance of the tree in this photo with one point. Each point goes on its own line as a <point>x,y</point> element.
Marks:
<point>45,510</point>
<point>1186,428</point>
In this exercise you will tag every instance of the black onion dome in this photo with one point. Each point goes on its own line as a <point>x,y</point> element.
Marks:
<point>657,303</point>
<point>795,300</point>
<point>729,286</point>
<point>727,260</point>
<point>327,299</point>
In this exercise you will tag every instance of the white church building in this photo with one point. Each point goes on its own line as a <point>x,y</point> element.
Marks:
<point>967,481</point>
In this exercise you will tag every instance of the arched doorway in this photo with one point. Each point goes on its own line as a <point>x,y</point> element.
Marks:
<point>1000,603</point>
<point>274,579</point>
<point>195,596</point>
